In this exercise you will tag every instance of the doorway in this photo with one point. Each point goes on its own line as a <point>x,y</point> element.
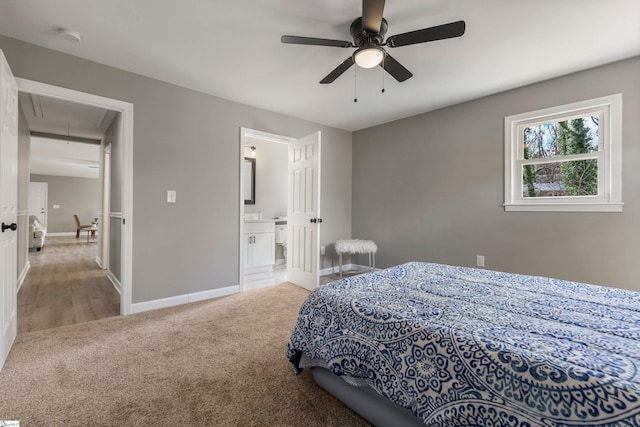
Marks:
<point>66,283</point>
<point>123,218</point>
<point>279,193</point>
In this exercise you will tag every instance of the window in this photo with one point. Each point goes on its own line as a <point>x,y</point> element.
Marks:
<point>565,158</point>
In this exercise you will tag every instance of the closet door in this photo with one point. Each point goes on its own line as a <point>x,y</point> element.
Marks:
<point>38,201</point>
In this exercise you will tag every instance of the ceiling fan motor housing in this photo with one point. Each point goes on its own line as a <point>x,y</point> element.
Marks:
<point>368,33</point>
<point>363,37</point>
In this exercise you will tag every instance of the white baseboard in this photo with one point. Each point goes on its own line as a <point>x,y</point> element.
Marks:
<point>346,267</point>
<point>114,281</point>
<point>139,307</point>
<point>255,284</point>
<point>99,262</point>
<point>330,270</point>
<point>70,234</point>
<point>23,274</point>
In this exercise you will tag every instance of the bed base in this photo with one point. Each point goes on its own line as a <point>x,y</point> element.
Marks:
<point>365,401</point>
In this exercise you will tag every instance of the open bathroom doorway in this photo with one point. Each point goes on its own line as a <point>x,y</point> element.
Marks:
<point>279,186</point>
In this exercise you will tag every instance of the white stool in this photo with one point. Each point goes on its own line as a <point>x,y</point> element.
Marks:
<point>356,246</point>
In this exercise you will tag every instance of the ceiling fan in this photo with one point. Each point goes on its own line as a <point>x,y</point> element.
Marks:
<point>368,33</point>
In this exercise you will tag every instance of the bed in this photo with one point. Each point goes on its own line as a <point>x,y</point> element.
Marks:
<point>460,346</point>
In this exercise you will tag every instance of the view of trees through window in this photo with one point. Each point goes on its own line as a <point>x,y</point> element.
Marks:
<point>565,174</point>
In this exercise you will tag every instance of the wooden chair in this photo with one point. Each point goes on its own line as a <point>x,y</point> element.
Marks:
<point>80,227</point>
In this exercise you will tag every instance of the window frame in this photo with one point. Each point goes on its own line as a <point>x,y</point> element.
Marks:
<point>609,157</point>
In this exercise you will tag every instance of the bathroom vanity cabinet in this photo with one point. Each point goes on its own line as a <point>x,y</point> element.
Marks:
<point>259,247</point>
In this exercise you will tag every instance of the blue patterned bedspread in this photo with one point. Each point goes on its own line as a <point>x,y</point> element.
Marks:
<point>468,347</point>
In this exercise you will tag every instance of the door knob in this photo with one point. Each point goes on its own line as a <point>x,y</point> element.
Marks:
<point>12,226</point>
<point>313,220</point>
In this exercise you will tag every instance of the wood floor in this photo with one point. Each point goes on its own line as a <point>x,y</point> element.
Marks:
<point>65,286</point>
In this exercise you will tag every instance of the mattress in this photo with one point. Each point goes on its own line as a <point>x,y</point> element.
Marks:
<point>463,346</point>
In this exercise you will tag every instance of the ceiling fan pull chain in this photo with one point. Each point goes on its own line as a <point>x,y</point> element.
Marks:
<point>383,70</point>
<point>355,84</point>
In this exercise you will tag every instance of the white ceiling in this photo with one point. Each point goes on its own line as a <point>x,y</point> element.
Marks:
<point>64,157</point>
<point>61,117</point>
<point>232,49</point>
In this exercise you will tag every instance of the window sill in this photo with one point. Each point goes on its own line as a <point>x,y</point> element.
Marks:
<point>564,207</point>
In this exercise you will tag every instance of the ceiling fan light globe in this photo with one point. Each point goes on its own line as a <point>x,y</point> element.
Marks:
<point>368,57</point>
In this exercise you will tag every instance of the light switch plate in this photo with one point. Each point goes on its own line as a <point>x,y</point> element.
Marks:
<point>171,196</point>
<point>56,206</point>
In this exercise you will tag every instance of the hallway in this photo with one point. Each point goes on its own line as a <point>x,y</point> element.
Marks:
<point>65,286</point>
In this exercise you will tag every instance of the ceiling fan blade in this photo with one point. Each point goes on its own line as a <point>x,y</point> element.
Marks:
<point>440,32</point>
<point>337,72</point>
<point>372,15</point>
<point>315,41</point>
<point>396,69</point>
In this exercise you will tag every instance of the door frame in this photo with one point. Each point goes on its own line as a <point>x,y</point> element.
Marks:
<point>126,136</point>
<point>245,134</point>
<point>105,227</point>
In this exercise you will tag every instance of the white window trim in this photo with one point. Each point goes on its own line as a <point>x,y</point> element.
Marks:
<point>609,198</point>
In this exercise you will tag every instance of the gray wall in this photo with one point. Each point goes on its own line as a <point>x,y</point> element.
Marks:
<point>74,195</point>
<point>24,157</point>
<point>115,242</point>
<point>430,188</point>
<point>335,193</point>
<point>24,154</point>
<point>189,142</point>
<point>112,136</point>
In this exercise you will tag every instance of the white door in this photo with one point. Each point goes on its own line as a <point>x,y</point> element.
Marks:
<point>8,207</point>
<point>38,201</point>
<point>304,211</point>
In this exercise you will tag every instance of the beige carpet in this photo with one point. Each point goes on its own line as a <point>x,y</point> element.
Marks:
<point>213,363</point>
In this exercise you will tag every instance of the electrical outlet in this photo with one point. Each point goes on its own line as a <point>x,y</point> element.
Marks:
<point>323,250</point>
<point>480,260</point>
